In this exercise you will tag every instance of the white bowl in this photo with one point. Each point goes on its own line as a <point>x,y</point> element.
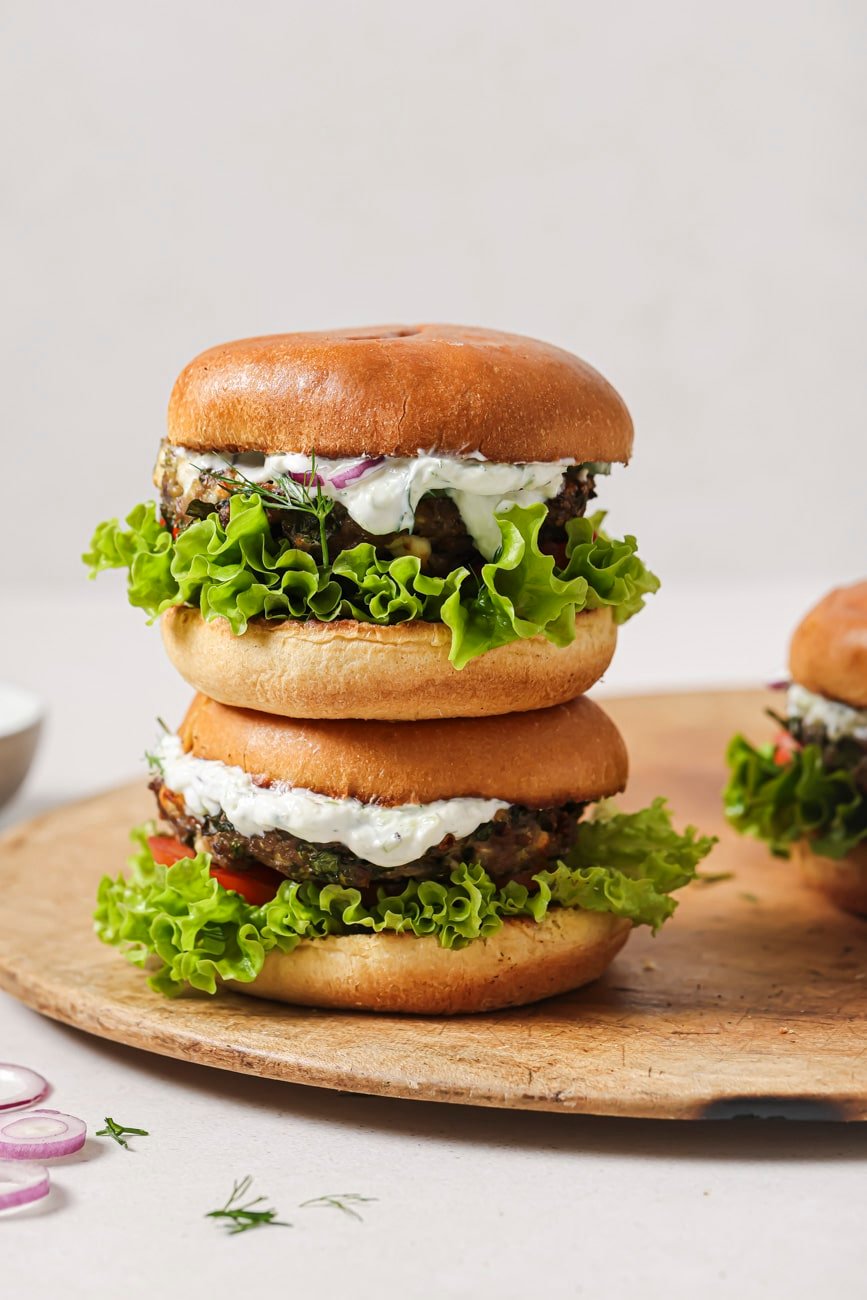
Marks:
<point>20,723</point>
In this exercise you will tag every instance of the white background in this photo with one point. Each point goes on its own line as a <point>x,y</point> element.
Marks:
<point>674,190</point>
<point>677,192</point>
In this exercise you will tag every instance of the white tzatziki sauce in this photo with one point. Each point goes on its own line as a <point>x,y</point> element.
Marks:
<point>838,719</point>
<point>384,498</point>
<point>385,836</point>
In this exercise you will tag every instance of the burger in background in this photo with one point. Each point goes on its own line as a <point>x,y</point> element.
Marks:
<point>807,791</point>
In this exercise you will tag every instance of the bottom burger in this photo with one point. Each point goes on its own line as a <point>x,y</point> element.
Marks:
<point>432,867</point>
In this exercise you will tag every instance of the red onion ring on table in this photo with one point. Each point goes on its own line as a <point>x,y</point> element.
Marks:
<point>20,1086</point>
<point>22,1182</point>
<point>42,1133</point>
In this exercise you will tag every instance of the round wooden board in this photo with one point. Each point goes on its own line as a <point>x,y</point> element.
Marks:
<point>753,999</point>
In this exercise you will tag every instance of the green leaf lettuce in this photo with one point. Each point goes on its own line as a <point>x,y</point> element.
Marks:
<point>239,572</point>
<point>800,799</point>
<point>623,863</point>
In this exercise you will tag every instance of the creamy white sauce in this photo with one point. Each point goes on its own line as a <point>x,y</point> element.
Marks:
<point>385,836</point>
<point>838,719</point>
<point>384,499</point>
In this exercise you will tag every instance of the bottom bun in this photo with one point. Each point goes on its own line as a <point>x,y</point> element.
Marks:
<point>361,670</point>
<point>524,961</point>
<point>843,880</point>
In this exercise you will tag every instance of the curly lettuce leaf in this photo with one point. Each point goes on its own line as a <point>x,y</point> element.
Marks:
<point>145,549</point>
<point>800,799</point>
<point>614,574</point>
<point>623,863</point>
<point>641,844</point>
<point>239,572</point>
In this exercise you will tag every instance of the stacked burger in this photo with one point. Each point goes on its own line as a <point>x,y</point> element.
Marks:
<point>373,560</point>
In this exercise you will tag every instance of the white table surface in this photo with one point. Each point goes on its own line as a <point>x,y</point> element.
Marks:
<point>469,1202</point>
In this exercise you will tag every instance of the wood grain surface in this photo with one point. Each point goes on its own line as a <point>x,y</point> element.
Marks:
<point>753,999</point>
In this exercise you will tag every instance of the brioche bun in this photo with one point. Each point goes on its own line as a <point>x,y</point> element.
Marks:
<point>362,670</point>
<point>549,757</point>
<point>522,962</point>
<point>828,653</point>
<point>843,880</point>
<point>396,390</point>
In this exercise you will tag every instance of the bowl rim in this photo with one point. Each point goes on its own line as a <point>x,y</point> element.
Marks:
<point>33,712</point>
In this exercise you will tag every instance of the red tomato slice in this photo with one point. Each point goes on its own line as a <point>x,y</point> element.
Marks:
<point>257,885</point>
<point>168,849</point>
<point>785,747</point>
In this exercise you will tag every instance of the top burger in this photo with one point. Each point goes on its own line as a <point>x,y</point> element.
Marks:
<point>384,523</point>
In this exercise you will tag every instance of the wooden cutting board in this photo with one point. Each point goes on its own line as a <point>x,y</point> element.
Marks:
<point>752,1000</point>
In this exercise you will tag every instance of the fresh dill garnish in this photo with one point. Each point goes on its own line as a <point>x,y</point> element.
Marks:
<point>120,1132</point>
<point>286,494</point>
<point>713,877</point>
<point>240,1218</point>
<point>153,761</point>
<point>344,1202</point>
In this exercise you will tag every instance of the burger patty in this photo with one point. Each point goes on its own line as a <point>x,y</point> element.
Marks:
<point>846,752</point>
<point>517,842</point>
<point>439,536</point>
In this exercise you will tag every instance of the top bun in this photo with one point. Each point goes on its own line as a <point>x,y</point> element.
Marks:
<point>396,391</point>
<point>572,752</point>
<point>828,653</point>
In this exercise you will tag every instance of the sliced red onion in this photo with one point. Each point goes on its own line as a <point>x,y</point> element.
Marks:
<point>306,480</point>
<point>42,1133</point>
<point>781,684</point>
<point>346,476</point>
<point>20,1086</point>
<point>22,1182</point>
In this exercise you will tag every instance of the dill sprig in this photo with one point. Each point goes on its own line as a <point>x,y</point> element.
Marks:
<point>154,762</point>
<point>344,1202</point>
<point>240,1218</point>
<point>286,494</point>
<point>120,1132</point>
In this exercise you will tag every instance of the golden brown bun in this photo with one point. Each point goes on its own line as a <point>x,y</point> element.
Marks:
<point>395,390</point>
<point>540,759</point>
<point>360,670</point>
<point>523,962</point>
<point>844,881</point>
<point>828,653</point>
